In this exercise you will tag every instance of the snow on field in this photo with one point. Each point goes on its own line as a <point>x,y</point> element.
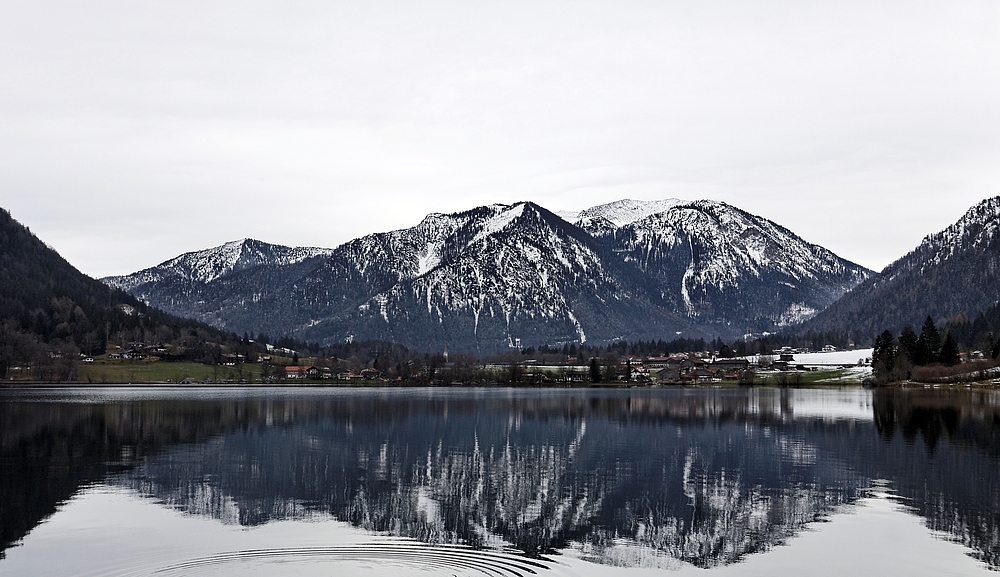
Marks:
<point>849,375</point>
<point>835,358</point>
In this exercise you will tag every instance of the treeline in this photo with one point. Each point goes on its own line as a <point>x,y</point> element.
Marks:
<point>811,340</point>
<point>583,352</point>
<point>898,358</point>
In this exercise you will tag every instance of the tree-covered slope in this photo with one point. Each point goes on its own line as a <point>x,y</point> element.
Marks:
<point>50,312</point>
<point>953,272</point>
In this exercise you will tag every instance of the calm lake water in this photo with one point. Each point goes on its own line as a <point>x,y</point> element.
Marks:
<point>499,482</point>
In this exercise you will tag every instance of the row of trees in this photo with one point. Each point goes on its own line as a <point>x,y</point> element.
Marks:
<point>894,359</point>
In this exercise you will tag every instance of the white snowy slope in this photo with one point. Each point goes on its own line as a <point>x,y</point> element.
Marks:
<point>401,254</point>
<point>627,211</point>
<point>207,265</point>
<point>606,218</point>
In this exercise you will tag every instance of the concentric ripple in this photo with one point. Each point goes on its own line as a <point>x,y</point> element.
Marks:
<point>450,560</point>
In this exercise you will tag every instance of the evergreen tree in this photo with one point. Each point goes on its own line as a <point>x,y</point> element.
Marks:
<point>949,351</point>
<point>884,357</point>
<point>931,338</point>
<point>595,371</point>
<point>908,343</point>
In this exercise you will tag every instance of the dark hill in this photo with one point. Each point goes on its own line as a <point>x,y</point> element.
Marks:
<point>50,312</point>
<point>951,273</point>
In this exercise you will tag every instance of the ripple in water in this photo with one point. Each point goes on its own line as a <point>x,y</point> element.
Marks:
<point>381,558</point>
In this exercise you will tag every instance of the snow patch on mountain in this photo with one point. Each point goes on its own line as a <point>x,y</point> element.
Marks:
<point>796,313</point>
<point>979,227</point>
<point>505,215</point>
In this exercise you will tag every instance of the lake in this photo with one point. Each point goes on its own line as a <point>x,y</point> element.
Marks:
<point>499,482</point>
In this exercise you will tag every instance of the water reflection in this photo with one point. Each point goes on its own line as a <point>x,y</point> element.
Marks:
<point>624,477</point>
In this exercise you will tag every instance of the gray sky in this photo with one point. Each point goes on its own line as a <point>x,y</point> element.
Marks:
<point>131,132</point>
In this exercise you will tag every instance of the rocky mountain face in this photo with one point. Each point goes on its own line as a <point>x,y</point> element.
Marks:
<point>952,272</point>
<point>720,265</point>
<point>498,276</point>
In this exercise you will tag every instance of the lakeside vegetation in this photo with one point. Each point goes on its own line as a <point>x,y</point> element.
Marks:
<point>155,371</point>
<point>932,358</point>
<point>169,355</point>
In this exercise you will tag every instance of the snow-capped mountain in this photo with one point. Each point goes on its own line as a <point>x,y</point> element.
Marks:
<point>500,275</point>
<point>509,273</point>
<point>205,266</point>
<point>951,272</point>
<point>719,264</point>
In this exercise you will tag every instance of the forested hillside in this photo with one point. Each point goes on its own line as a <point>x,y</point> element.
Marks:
<point>954,272</point>
<point>51,313</point>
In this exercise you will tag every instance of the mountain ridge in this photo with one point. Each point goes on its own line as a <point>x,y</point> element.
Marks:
<point>495,275</point>
<point>951,272</point>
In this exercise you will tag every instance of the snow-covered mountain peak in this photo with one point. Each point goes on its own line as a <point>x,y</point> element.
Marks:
<point>489,276</point>
<point>209,264</point>
<point>977,227</point>
<point>626,211</point>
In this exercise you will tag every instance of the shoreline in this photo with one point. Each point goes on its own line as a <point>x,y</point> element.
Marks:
<point>373,385</point>
<point>377,385</point>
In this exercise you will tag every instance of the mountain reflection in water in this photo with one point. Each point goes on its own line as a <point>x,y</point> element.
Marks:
<point>701,476</point>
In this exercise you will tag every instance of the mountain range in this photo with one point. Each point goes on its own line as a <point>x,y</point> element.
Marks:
<point>516,275</point>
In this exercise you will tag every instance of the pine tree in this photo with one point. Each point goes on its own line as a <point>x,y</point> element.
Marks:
<point>595,371</point>
<point>949,351</point>
<point>931,338</point>
<point>884,357</point>
<point>908,343</point>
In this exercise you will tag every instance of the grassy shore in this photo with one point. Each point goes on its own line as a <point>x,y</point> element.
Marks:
<point>155,371</point>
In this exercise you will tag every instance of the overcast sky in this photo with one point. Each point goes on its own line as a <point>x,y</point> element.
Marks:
<point>131,132</point>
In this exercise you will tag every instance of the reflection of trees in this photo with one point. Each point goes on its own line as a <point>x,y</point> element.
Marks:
<point>951,478</point>
<point>705,476</point>
<point>967,418</point>
<point>49,450</point>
